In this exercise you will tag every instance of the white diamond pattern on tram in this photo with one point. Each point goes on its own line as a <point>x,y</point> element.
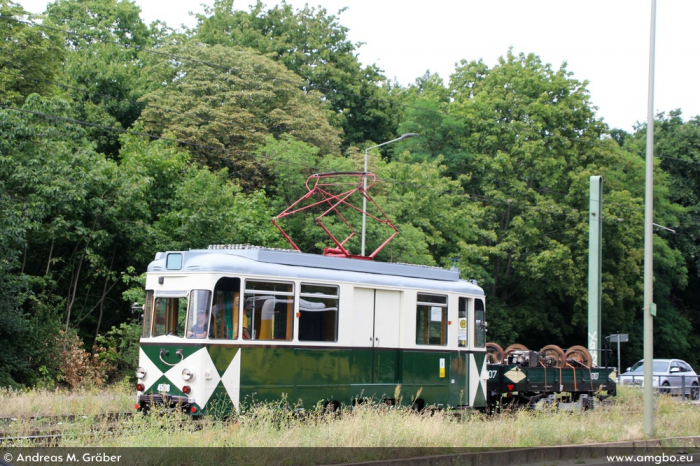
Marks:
<point>152,371</point>
<point>197,362</point>
<point>232,380</point>
<point>474,376</point>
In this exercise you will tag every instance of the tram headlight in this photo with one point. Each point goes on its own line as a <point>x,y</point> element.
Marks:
<point>187,374</point>
<point>140,373</point>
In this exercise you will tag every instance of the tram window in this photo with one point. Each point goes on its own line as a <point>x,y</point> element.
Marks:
<point>479,324</point>
<point>431,320</point>
<point>169,316</point>
<point>173,262</point>
<point>147,313</point>
<point>198,321</point>
<point>225,309</point>
<point>268,310</point>
<point>318,309</point>
<point>462,329</point>
<point>272,287</point>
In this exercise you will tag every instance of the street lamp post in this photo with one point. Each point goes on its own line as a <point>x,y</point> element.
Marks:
<point>364,183</point>
<point>649,242</point>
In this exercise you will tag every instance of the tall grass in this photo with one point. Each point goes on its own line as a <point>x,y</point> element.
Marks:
<point>84,401</point>
<point>376,425</point>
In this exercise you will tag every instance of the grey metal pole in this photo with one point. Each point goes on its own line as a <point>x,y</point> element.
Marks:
<point>619,358</point>
<point>364,204</point>
<point>364,183</point>
<point>595,241</point>
<point>649,243</point>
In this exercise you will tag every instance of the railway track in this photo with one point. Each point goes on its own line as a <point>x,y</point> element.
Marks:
<point>67,417</point>
<point>49,429</point>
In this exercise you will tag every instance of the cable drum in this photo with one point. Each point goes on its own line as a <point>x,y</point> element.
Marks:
<point>494,353</point>
<point>579,354</point>
<point>553,356</point>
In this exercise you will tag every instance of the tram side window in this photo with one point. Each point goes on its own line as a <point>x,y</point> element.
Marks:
<point>268,310</point>
<point>169,316</point>
<point>431,320</point>
<point>318,309</point>
<point>147,314</point>
<point>479,324</point>
<point>225,309</point>
<point>463,322</point>
<point>198,322</point>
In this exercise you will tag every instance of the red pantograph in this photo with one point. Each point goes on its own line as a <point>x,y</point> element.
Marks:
<point>323,183</point>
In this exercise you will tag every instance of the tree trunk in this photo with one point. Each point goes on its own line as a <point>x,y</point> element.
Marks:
<point>77,276</point>
<point>102,299</point>
<point>75,289</point>
<point>495,277</point>
<point>48,263</point>
<point>24,259</point>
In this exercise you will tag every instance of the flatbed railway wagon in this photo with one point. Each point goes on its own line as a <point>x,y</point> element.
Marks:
<point>518,377</point>
<point>231,325</point>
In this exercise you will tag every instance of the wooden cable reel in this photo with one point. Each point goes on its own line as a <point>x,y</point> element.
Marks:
<point>512,348</point>
<point>556,355</point>
<point>494,353</point>
<point>580,354</point>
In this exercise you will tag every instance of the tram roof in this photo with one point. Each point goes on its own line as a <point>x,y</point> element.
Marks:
<point>281,262</point>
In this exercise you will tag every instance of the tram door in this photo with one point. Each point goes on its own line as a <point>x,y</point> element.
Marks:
<point>377,318</point>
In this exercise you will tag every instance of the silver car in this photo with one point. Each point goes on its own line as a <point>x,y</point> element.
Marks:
<point>671,376</point>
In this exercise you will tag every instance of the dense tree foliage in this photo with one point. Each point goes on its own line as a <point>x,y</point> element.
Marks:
<point>314,45</point>
<point>30,57</point>
<point>122,139</point>
<point>224,113</point>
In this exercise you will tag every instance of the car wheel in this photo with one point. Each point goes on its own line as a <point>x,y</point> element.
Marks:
<point>665,388</point>
<point>695,392</point>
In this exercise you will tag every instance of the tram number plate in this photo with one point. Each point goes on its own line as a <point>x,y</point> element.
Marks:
<point>493,374</point>
<point>163,387</point>
<point>594,376</point>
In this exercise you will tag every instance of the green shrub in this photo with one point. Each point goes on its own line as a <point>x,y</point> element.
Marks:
<point>118,349</point>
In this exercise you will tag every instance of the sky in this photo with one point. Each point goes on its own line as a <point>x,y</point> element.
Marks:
<point>605,42</point>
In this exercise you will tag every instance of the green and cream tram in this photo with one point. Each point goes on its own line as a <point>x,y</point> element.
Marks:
<point>232,325</point>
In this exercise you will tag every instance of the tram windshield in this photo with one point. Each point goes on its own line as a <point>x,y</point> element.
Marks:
<point>198,322</point>
<point>147,313</point>
<point>169,315</point>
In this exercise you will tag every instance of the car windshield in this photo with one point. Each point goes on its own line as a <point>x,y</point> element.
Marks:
<point>659,366</point>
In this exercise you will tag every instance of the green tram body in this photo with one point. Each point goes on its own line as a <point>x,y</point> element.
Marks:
<point>307,329</point>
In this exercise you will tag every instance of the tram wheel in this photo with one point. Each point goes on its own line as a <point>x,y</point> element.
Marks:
<point>555,353</point>
<point>418,405</point>
<point>580,354</point>
<point>494,353</point>
<point>331,406</point>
